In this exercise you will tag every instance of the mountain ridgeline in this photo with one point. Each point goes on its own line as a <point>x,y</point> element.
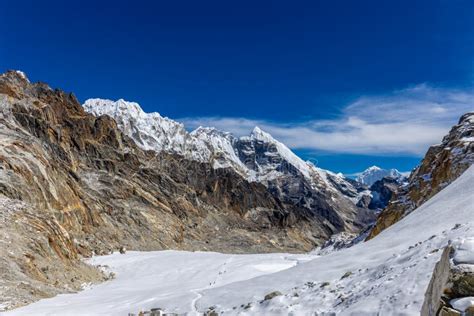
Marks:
<point>78,180</point>
<point>442,164</point>
<point>74,183</point>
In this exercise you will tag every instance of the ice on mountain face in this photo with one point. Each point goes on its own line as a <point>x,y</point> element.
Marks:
<point>279,152</point>
<point>22,75</point>
<point>220,146</point>
<point>149,131</point>
<point>258,157</point>
<point>374,173</point>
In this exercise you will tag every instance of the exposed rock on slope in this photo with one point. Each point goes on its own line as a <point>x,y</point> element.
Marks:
<point>87,188</point>
<point>452,279</point>
<point>382,192</point>
<point>442,164</point>
<point>38,257</point>
<point>258,157</point>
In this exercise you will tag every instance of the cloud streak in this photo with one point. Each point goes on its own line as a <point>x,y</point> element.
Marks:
<point>405,121</point>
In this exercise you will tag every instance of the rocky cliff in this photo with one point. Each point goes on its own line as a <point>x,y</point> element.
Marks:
<point>442,164</point>
<point>73,184</point>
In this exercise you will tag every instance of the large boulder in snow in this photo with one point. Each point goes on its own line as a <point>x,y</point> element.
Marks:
<point>451,279</point>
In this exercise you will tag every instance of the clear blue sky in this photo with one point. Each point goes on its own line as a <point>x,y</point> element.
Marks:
<point>315,74</point>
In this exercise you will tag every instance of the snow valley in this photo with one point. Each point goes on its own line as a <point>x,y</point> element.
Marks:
<point>387,275</point>
<point>108,210</point>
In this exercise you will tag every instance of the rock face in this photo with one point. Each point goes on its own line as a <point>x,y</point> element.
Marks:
<point>85,188</point>
<point>38,256</point>
<point>442,164</point>
<point>257,157</point>
<point>452,279</point>
<point>382,192</point>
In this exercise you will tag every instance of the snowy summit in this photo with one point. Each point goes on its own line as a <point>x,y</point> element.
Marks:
<point>374,173</point>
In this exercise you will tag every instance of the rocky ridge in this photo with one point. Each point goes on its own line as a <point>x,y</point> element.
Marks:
<point>452,281</point>
<point>257,157</point>
<point>442,164</point>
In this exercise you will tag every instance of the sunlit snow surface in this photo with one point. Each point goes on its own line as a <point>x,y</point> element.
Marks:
<point>168,279</point>
<point>388,275</point>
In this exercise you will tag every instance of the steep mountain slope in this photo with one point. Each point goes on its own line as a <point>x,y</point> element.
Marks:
<point>442,164</point>
<point>388,275</point>
<point>384,276</point>
<point>374,173</point>
<point>258,157</point>
<point>382,192</point>
<point>85,187</point>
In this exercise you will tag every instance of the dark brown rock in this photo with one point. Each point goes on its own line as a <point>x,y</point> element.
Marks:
<point>441,165</point>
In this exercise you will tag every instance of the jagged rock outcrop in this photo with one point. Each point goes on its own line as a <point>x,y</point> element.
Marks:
<point>38,256</point>
<point>86,188</point>
<point>452,279</point>
<point>257,157</point>
<point>442,164</point>
<point>382,192</point>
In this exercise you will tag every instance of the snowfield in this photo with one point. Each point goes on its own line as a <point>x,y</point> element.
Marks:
<point>387,275</point>
<point>172,280</point>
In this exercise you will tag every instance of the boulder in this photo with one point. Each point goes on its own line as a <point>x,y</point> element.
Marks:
<point>271,295</point>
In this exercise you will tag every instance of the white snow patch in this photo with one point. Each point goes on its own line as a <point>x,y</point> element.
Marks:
<point>22,75</point>
<point>461,304</point>
<point>464,250</point>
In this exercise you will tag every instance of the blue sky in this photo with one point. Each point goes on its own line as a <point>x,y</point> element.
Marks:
<point>345,83</point>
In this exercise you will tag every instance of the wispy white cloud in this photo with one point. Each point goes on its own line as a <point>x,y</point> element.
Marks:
<point>405,121</point>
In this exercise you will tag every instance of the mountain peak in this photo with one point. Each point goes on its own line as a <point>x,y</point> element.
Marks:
<point>375,173</point>
<point>113,108</point>
<point>16,75</point>
<point>208,130</point>
<point>258,157</point>
<point>372,168</point>
<point>259,134</point>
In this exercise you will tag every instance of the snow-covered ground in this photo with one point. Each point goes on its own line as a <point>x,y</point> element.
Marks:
<point>387,275</point>
<point>172,280</point>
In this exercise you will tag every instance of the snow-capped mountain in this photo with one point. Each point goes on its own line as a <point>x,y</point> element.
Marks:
<point>89,184</point>
<point>121,178</point>
<point>374,173</point>
<point>258,157</point>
